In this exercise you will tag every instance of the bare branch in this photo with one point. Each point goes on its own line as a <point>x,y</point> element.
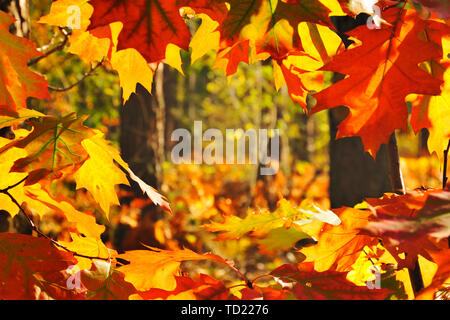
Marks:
<point>36,229</point>
<point>58,47</point>
<point>87,74</point>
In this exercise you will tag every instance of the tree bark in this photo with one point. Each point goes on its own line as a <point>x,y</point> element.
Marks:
<point>143,144</point>
<point>354,174</point>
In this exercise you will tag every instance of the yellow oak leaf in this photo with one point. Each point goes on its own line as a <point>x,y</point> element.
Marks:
<point>132,69</point>
<point>439,114</point>
<point>88,47</point>
<point>173,57</point>
<point>99,174</point>
<point>339,246</point>
<point>69,13</point>
<point>157,268</point>
<point>87,246</point>
<point>7,179</point>
<point>41,202</point>
<point>205,39</point>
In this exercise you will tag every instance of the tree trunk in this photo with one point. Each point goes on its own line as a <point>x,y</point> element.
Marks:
<point>138,135</point>
<point>143,143</point>
<point>354,174</point>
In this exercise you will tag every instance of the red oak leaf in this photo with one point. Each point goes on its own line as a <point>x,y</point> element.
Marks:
<point>148,25</point>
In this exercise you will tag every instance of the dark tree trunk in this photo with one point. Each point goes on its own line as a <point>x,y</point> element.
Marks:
<point>354,174</point>
<point>143,143</point>
<point>423,141</point>
<point>138,135</point>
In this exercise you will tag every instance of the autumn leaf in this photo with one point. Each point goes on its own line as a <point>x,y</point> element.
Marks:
<point>31,265</point>
<point>262,293</point>
<point>41,202</point>
<point>53,145</point>
<point>106,283</point>
<point>407,219</point>
<point>148,25</point>
<point>90,46</point>
<point>8,179</point>
<point>205,39</point>
<point>338,247</point>
<point>17,81</point>
<point>156,198</point>
<point>382,72</point>
<point>433,112</point>
<point>60,14</point>
<point>99,174</point>
<point>275,21</point>
<point>156,268</point>
<point>406,223</point>
<point>275,28</point>
<point>132,69</point>
<point>9,118</point>
<point>87,246</point>
<point>306,284</point>
<point>442,259</point>
<point>259,223</point>
<point>280,239</point>
<point>294,69</point>
<point>215,9</point>
<point>228,59</point>
<point>202,287</point>
<point>97,43</point>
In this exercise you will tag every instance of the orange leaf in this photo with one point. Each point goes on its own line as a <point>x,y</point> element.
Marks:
<point>53,145</point>
<point>202,287</point>
<point>382,72</point>
<point>156,268</point>
<point>339,246</point>
<point>17,81</point>
<point>32,264</point>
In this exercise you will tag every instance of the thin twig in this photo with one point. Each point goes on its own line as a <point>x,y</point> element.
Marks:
<point>39,232</point>
<point>14,185</point>
<point>262,276</point>
<point>87,74</point>
<point>58,47</point>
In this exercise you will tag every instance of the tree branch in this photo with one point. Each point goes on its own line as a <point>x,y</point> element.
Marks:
<point>36,229</point>
<point>58,47</point>
<point>87,74</point>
